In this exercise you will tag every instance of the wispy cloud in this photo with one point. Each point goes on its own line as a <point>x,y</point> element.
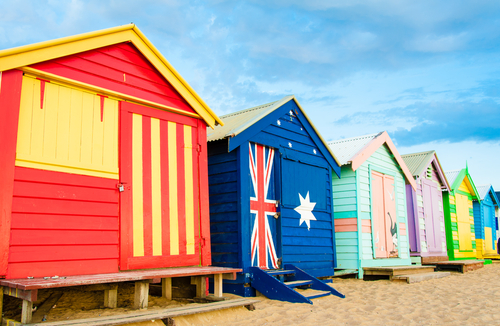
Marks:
<point>439,122</point>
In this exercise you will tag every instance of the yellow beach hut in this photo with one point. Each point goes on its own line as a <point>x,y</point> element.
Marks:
<point>458,215</point>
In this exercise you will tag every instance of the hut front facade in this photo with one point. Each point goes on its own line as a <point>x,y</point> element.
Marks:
<point>371,226</point>
<point>459,216</point>
<point>497,217</point>
<point>270,193</point>
<point>426,230</point>
<point>485,222</point>
<point>103,166</point>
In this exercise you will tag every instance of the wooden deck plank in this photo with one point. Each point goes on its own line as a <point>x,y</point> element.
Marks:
<point>40,283</point>
<point>462,266</point>
<point>398,270</point>
<point>138,316</point>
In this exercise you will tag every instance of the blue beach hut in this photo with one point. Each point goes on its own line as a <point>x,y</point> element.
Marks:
<point>485,223</point>
<point>271,206</point>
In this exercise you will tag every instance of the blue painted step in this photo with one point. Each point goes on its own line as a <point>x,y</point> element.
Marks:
<point>280,284</point>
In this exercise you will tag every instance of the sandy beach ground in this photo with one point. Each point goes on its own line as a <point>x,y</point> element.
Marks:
<point>460,299</point>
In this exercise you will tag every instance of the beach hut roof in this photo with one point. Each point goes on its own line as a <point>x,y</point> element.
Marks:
<point>417,163</point>
<point>455,179</point>
<point>452,175</point>
<point>20,57</point>
<point>235,124</point>
<point>484,190</point>
<point>345,149</point>
<point>357,150</point>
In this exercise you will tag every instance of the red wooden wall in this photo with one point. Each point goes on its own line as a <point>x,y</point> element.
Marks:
<point>121,68</point>
<point>62,224</point>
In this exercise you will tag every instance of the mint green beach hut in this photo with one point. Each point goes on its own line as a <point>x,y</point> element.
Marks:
<point>370,212</point>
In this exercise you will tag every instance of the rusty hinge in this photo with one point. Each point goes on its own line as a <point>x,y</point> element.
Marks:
<point>198,148</point>
<point>202,242</point>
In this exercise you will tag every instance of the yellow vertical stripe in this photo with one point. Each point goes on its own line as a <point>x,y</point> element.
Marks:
<point>137,187</point>
<point>50,128</point>
<point>188,179</point>
<point>110,110</point>
<point>156,186</point>
<point>87,127</point>
<point>75,126</point>
<point>97,134</point>
<point>172,188</point>
<point>37,123</point>
<point>63,112</point>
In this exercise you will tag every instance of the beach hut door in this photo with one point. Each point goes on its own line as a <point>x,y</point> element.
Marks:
<point>159,214</point>
<point>384,216</point>
<point>463,222</point>
<point>431,214</point>
<point>264,207</point>
<point>489,228</point>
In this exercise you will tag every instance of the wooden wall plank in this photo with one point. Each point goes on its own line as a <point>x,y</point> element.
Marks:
<point>77,223</point>
<point>124,69</point>
<point>62,268</point>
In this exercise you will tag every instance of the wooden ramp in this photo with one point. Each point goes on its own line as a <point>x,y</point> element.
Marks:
<point>462,266</point>
<point>140,316</point>
<point>410,274</point>
<point>290,284</point>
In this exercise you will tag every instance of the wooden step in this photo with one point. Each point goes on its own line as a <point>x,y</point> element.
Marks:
<point>341,272</point>
<point>280,272</point>
<point>398,270</point>
<point>462,266</point>
<point>415,278</point>
<point>313,294</point>
<point>139,316</point>
<point>294,284</point>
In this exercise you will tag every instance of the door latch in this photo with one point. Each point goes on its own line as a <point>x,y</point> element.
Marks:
<point>121,187</point>
<point>277,215</point>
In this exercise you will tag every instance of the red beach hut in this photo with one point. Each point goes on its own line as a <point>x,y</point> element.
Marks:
<point>103,162</point>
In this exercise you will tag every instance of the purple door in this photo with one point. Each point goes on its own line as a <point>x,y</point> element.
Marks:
<point>431,215</point>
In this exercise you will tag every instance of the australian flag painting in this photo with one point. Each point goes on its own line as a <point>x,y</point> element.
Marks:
<point>263,207</point>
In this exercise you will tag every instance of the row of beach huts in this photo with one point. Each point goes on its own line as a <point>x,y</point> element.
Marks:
<point>111,164</point>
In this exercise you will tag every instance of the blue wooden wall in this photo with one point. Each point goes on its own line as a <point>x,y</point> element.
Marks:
<point>223,184</point>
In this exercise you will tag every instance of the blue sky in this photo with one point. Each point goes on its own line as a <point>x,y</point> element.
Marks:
<point>425,71</point>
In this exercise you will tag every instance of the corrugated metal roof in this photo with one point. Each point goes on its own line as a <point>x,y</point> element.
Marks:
<point>345,149</point>
<point>236,122</point>
<point>483,190</point>
<point>451,176</point>
<point>418,162</point>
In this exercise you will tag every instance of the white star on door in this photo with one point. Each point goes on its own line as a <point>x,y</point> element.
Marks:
<point>305,210</point>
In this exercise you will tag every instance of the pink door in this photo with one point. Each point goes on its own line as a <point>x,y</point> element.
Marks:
<point>384,215</point>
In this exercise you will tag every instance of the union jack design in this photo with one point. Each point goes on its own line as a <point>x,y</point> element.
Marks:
<point>263,207</point>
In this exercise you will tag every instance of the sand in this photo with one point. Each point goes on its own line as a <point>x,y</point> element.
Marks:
<point>460,299</point>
